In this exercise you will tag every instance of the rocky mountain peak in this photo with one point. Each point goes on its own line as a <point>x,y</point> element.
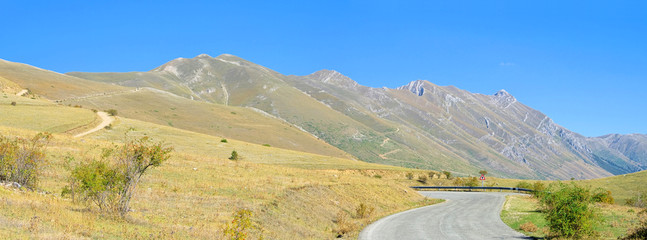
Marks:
<point>204,55</point>
<point>503,99</point>
<point>333,77</point>
<point>416,87</point>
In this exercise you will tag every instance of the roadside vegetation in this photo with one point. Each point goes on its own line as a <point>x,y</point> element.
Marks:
<point>570,211</point>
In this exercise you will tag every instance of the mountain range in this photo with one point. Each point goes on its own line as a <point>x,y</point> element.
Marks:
<point>418,125</point>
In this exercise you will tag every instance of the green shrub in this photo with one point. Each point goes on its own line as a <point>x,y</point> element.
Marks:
<point>569,211</point>
<point>422,179</point>
<point>409,175</point>
<point>267,145</point>
<point>110,183</point>
<point>602,196</point>
<point>483,172</point>
<point>112,112</point>
<point>223,140</point>
<point>447,174</point>
<point>21,159</point>
<point>234,155</point>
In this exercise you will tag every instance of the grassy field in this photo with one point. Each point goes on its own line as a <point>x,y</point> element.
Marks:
<point>39,115</point>
<point>291,194</point>
<point>520,209</point>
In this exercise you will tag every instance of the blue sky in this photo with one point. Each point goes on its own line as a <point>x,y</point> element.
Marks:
<point>583,63</point>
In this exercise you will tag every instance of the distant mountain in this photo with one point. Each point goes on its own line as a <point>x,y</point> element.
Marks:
<point>417,125</point>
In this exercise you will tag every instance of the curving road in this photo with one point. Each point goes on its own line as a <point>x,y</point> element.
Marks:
<point>464,215</point>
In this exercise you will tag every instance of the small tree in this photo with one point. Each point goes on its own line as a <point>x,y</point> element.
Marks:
<point>568,211</point>
<point>21,159</point>
<point>483,172</point>
<point>111,182</point>
<point>234,155</point>
<point>112,112</point>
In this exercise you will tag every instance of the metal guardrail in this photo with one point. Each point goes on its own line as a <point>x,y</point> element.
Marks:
<point>461,188</point>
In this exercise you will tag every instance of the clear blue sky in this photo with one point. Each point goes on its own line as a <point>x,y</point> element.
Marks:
<point>583,63</point>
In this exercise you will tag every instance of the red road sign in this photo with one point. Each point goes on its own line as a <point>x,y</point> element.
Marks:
<point>482,177</point>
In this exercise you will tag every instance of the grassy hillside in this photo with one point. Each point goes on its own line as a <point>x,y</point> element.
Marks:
<point>43,116</point>
<point>291,194</point>
<point>214,119</point>
<point>54,85</point>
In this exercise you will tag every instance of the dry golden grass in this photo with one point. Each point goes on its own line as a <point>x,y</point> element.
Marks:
<point>39,115</point>
<point>194,194</point>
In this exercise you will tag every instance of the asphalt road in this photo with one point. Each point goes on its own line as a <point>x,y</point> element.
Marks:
<point>464,215</point>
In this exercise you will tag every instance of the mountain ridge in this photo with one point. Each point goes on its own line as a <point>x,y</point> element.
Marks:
<point>418,124</point>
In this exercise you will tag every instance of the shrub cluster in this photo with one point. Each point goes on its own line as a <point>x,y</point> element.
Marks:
<point>569,211</point>
<point>21,159</point>
<point>111,181</point>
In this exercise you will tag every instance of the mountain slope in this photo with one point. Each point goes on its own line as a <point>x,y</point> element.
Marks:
<point>418,125</point>
<point>165,108</point>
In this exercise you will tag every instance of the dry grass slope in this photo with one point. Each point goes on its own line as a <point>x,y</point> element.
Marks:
<point>292,194</point>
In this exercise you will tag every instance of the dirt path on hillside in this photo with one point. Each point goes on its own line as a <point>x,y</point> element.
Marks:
<point>383,156</point>
<point>23,92</point>
<point>107,120</point>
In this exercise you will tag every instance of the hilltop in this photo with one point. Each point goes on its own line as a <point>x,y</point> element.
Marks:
<point>419,125</point>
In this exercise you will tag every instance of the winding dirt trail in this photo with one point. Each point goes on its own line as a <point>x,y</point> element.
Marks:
<point>22,92</point>
<point>107,120</point>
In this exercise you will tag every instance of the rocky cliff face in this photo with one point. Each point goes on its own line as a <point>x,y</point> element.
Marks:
<point>417,125</point>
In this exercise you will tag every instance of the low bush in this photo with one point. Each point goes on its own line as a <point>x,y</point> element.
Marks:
<point>409,175</point>
<point>344,224</point>
<point>569,211</point>
<point>110,182</point>
<point>21,159</point>
<point>422,179</point>
<point>239,227</point>
<point>223,140</point>
<point>112,112</point>
<point>234,156</point>
<point>447,174</point>
<point>602,196</point>
<point>363,211</point>
<point>638,200</point>
<point>472,182</point>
